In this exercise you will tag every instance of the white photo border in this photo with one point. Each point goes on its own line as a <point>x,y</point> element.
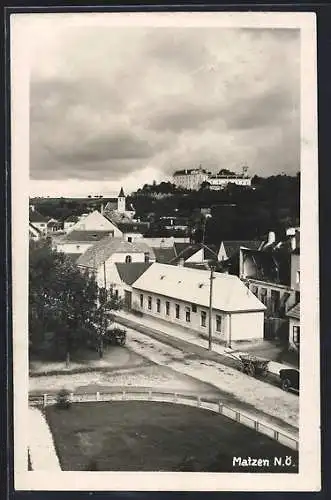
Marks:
<point>309,476</point>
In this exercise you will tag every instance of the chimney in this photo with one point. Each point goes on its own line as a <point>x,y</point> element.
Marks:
<point>271,238</point>
<point>101,209</point>
<point>181,262</point>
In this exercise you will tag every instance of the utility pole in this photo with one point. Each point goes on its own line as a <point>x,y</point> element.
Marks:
<point>104,276</point>
<point>210,333</point>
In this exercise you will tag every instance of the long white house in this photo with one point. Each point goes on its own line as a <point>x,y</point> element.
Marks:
<point>180,295</point>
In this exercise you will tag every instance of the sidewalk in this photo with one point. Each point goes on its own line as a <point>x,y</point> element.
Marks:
<point>42,452</point>
<point>179,333</point>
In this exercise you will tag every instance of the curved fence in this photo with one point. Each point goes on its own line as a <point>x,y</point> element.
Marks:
<point>185,398</point>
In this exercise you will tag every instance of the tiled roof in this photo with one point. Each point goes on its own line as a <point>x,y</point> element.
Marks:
<point>71,218</point>
<point>129,273</point>
<point>132,227</point>
<point>164,255</point>
<point>35,216</point>
<point>82,235</point>
<point>233,247</point>
<point>186,250</point>
<point>294,312</point>
<point>103,249</point>
<point>192,285</point>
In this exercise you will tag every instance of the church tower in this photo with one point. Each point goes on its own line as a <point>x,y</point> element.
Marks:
<point>121,202</point>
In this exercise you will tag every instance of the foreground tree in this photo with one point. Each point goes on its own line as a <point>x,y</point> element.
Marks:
<point>65,309</point>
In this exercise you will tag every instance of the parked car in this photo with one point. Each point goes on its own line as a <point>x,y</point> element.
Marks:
<point>115,336</point>
<point>290,379</point>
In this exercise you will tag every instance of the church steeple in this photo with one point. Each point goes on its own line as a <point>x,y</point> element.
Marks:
<point>121,201</point>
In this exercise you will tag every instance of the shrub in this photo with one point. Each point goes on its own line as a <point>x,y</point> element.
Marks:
<point>63,399</point>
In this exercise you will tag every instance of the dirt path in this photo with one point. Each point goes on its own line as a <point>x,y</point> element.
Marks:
<point>280,406</point>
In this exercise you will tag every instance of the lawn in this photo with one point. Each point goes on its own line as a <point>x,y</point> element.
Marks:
<point>146,436</point>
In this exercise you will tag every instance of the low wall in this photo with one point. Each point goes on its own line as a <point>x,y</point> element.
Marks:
<point>184,398</point>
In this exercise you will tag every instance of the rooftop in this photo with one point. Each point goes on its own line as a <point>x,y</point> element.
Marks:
<point>191,171</point>
<point>36,217</point>
<point>129,273</point>
<point>232,247</point>
<point>132,227</point>
<point>192,285</point>
<point>103,249</point>
<point>85,236</point>
<point>294,312</point>
<point>164,254</point>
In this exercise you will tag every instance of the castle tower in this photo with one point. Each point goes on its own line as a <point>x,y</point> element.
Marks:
<point>121,202</point>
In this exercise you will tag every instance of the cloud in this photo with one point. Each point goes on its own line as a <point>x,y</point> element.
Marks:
<point>117,105</point>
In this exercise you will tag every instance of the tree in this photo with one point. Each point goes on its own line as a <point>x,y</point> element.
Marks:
<point>65,309</point>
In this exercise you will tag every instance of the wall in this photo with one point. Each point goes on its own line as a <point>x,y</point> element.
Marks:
<point>239,328</point>
<point>74,247</point>
<point>163,242</point>
<point>295,269</point>
<point>68,225</point>
<point>292,322</point>
<point>110,270</point>
<point>257,287</point>
<point>247,326</point>
<point>96,222</point>
<point>42,226</point>
<point>133,236</point>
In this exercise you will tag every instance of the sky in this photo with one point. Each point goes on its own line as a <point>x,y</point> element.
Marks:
<point>122,106</point>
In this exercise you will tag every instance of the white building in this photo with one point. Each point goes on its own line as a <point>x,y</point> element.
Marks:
<point>77,242</point>
<point>190,179</point>
<point>38,220</point>
<point>294,327</point>
<point>221,181</point>
<point>180,295</point>
<point>95,221</point>
<point>101,257</point>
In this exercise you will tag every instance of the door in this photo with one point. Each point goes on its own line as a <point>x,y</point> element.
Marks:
<point>127,299</point>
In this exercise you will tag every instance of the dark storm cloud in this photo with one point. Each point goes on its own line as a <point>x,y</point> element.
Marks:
<point>118,146</point>
<point>110,103</point>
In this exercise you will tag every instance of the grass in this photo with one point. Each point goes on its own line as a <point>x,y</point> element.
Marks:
<point>145,436</point>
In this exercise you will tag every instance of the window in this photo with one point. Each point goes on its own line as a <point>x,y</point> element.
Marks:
<point>188,314</point>
<point>130,239</point>
<point>254,289</point>
<point>116,294</point>
<point>167,306</point>
<point>146,257</point>
<point>263,296</point>
<point>296,335</point>
<point>128,259</point>
<point>158,305</point>
<point>203,318</point>
<point>194,308</point>
<point>77,247</point>
<point>218,323</point>
<point>177,311</point>
<point>149,303</point>
<point>141,300</point>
